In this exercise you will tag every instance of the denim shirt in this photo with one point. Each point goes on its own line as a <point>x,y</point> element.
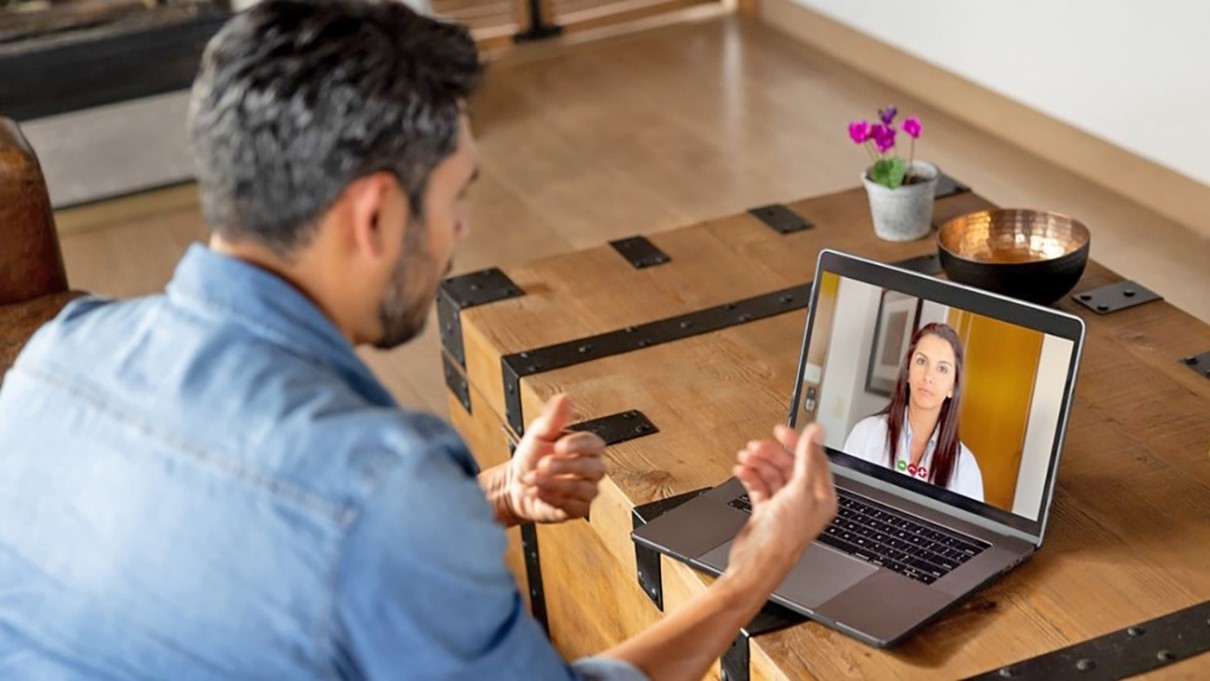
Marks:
<point>209,484</point>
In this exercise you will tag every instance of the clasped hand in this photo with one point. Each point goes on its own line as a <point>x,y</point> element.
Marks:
<point>554,474</point>
<point>793,498</point>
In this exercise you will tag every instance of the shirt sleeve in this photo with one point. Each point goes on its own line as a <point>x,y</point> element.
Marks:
<point>422,590</point>
<point>607,669</point>
<point>970,479</point>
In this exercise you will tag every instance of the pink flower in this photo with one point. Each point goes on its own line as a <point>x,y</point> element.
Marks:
<point>884,137</point>
<point>912,127</point>
<point>859,131</point>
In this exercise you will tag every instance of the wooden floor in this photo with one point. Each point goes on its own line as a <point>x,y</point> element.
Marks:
<point>590,142</point>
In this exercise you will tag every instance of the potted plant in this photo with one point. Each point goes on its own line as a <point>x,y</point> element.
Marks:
<point>901,192</point>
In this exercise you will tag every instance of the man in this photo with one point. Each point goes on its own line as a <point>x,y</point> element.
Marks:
<point>208,483</point>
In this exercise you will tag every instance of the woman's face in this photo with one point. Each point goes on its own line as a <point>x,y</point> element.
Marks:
<point>931,373</point>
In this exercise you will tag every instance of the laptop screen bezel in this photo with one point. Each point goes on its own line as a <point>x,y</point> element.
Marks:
<point>1045,320</point>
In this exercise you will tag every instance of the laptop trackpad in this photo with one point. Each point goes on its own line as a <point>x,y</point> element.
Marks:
<point>820,574</point>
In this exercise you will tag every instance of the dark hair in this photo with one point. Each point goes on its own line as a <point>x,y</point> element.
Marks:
<point>296,99</point>
<point>946,451</point>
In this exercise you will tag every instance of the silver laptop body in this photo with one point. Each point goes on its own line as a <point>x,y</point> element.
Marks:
<point>902,550</point>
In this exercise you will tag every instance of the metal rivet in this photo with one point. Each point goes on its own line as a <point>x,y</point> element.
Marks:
<point>512,389</point>
<point>731,306</point>
<point>1165,656</point>
<point>745,318</point>
<point>524,355</point>
<point>686,324</point>
<point>474,287</point>
<point>586,348</point>
<point>643,343</point>
<point>1136,631</point>
<point>786,299</point>
<point>1102,308</point>
<point>1008,672</point>
<point>1129,293</point>
<point>629,415</point>
<point>1189,360</point>
<point>642,428</point>
<point>1085,297</point>
<point>1086,665</point>
<point>630,329</point>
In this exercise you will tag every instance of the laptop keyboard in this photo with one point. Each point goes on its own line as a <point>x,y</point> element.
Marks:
<point>885,537</point>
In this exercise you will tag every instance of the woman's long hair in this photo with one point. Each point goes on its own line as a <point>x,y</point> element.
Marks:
<point>946,451</point>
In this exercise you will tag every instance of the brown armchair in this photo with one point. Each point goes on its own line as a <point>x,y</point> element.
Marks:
<point>33,281</point>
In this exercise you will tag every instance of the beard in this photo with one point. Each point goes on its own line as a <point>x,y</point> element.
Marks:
<point>404,308</point>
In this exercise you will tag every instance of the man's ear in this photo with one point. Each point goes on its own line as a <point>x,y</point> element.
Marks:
<point>368,198</point>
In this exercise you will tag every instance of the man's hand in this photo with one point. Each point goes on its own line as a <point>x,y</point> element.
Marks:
<point>792,501</point>
<point>553,475</point>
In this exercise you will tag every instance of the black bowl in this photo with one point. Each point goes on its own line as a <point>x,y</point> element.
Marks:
<point>1032,255</point>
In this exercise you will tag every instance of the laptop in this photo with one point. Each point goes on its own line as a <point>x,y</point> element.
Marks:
<point>924,524</point>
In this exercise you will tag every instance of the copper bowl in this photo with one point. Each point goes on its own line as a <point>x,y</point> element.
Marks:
<point>1028,254</point>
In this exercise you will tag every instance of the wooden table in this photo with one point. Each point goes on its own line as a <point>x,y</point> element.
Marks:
<point>1129,537</point>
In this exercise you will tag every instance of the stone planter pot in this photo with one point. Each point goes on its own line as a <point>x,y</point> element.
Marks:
<point>904,213</point>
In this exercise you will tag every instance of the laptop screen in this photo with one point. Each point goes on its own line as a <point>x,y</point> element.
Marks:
<point>928,386</point>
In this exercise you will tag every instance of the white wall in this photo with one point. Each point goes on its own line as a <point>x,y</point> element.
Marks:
<point>1040,433</point>
<point>1133,73</point>
<point>843,400</point>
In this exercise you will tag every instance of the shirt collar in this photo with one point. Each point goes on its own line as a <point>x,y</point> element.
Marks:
<point>270,307</point>
<point>907,429</point>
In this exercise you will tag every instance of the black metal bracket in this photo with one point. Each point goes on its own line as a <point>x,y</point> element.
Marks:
<point>533,575</point>
<point>616,428</point>
<point>533,563</point>
<point>928,264</point>
<point>736,662</point>
<point>468,290</point>
<point>781,219</point>
<point>456,382</point>
<point>516,366</point>
<point>647,560</point>
<point>1115,297</point>
<point>539,29</point>
<point>737,659</point>
<point>640,252</point>
<point>1127,652</point>
<point>948,186</point>
<point>1199,363</point>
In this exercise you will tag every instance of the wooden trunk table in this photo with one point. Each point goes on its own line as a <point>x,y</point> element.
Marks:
<point>1129,535</point>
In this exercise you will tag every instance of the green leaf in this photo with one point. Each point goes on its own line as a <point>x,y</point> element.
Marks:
<point>889,172</point>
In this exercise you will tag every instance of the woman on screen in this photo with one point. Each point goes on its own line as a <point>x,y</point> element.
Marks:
<point>917,433</point>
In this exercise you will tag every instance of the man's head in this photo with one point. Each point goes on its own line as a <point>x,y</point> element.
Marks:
<point>332,146</point>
